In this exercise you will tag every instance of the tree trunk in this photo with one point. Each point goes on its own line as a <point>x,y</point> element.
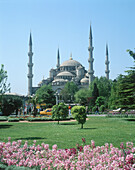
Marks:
<point>82,126</point>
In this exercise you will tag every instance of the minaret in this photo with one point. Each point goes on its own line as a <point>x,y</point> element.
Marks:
<point>30,65</point>
<point>107,63</point>
<point>91,59</point>
<point>58,59</point>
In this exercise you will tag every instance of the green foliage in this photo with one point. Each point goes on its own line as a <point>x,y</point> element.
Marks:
<point>45,94</point>
<point>60,111</point>
<point>132,54</point>
<point>103,85</point>
<point>13,119</point>
<point>79,113</point>
<point>3,118</point>
<point>127,91</point>
<point>82,96</point>
<point>102,108</point>
<point>104,89</point>
<point>4,87</point>
<point>39,119</point>
<point>100,101</point>
<point>123,89</point>
<point>10,104</point>
<point>94,109</point>
<point>69,91</point>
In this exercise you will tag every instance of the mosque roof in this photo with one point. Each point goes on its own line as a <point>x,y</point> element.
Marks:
<point>84,80</point>
<point>65,73</point>
<point>70,62</point>
<point>59,80</point>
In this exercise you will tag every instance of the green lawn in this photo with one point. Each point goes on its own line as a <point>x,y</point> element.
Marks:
<point>66,135</point>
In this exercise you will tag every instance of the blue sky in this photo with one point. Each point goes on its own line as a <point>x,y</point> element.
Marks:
<point>64,24</point>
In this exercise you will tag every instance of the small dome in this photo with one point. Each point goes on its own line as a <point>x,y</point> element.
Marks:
<point>85,80</point>
<point>65,73</point>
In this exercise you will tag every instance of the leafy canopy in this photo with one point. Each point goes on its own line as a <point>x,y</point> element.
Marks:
<point>69,91</point>
<point>4,87</point>
<point>45,94</point>
<point>79,113</point>
<point>60,111</point>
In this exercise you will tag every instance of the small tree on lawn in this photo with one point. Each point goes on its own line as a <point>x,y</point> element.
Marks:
<point>79,113</point>
<point>60,111</point>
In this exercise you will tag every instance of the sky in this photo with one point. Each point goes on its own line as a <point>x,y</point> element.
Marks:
<point>64,24</point>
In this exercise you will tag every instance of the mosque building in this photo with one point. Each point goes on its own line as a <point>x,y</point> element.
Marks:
<point>70,70</point>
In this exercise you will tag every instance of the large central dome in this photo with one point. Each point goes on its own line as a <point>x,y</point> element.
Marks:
<point>71,62</point>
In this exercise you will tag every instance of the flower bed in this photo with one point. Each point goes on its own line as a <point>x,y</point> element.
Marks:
<point>82,157</point>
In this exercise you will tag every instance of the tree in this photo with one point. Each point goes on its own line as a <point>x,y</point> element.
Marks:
<point>100,101</point>
<point>123,90</point>
<point>10,104</point>
<point>94,93</point>
<point>79,113</point>
<point>69,91</point>
<point>60,111</point>
<point>82,96</point>
<point>127,91</point>
<point>45,94</point>
<point>104,88</point>
<point>34,101</point>
<point>112,102</point>
<point>4,87</point>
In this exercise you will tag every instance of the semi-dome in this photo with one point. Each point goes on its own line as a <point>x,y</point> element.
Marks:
<point>65,73</point>
<point>71,62</point>
<point>84,80</point>
<point>59,80</point>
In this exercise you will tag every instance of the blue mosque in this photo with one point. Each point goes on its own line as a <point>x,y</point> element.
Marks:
<point>70,70</point>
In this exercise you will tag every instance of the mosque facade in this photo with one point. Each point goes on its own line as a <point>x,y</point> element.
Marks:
<point>70,70</point>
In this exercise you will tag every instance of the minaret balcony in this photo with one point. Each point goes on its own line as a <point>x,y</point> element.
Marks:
<point>107,62</point>
<point>90,48</point>
<point>30,64</point>
<point>90,60</point>
<point>91,72</point>
<point>30,75</point>
<point>30,53</point>
<point>107,71</point>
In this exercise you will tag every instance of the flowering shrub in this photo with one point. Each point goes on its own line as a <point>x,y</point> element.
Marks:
<point>82,157</point>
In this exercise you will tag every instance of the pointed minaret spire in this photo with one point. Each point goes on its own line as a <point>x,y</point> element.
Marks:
<point>71,57</point>
<point>91,59</point>
<point>90,37</point>
<point>30,65</point>
<point>58,59</point>
<point>107,63</point>
<point>30,40</point>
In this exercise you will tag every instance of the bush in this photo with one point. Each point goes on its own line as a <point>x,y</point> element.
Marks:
<point>94,109</point>
<point>3,118</point>
<point>102,108</point>
<point>13,120</point>
<point>60,112</point>
<point>39,119</point>
<point>79,113</point>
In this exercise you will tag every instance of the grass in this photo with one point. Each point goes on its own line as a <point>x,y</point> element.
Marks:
<point>67,134</point>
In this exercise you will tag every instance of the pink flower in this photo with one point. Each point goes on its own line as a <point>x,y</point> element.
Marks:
<point>54,147</point>
<point>47,146</point>
<point>9,139</point>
